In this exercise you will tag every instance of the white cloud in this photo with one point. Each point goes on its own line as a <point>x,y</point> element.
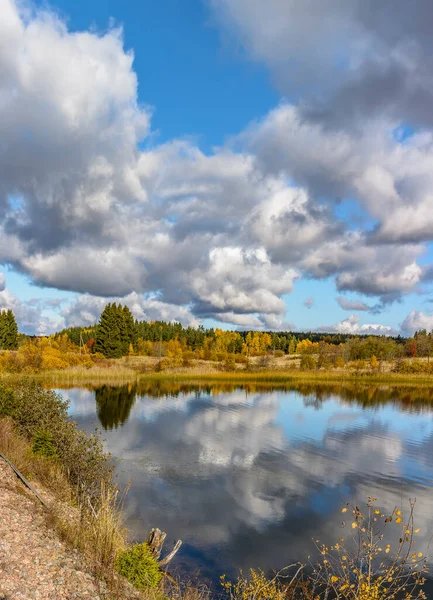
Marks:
<point>347,60</point>
<point>415,321</point>
<point>85,310</point>
<point>352,325</point>
<point>180,233</point>
<point>29,315</point>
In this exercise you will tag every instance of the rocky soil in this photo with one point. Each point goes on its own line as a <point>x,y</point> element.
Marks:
<point>34,562</point>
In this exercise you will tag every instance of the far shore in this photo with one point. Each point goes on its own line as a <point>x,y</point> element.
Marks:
<point>285,370</point>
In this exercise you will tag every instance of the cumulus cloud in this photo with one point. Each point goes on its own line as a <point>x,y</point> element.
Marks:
<point>345,60</point>
<point>85,310</point>
<point>415,321</point>
<point>29,315</point>
<point>352,325</point>
<point>177,232</point>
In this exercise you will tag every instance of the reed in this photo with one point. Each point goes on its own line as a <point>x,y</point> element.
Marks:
<point>290,376</point>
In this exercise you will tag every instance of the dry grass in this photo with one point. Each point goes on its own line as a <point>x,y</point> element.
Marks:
<point>36,468</point>
<point>97,530</point>
<point>116,374</point>
<point>290,376</point>
<point>279,370</point>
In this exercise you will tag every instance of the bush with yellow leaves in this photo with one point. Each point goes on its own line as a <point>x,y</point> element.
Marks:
<point>361,566</point>
<point>366,566</point>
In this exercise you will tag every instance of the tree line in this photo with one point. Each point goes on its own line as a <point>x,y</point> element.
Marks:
<point>119,334</point>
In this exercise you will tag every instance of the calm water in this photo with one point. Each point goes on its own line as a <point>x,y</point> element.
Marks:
<point>246,477</point>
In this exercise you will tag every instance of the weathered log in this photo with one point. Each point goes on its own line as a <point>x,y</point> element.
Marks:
<point>156,541</point>
<point>170,555</point>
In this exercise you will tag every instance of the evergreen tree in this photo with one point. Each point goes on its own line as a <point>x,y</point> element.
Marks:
<point>8,330</point>
<point>127,329</point>
<point>116,331</point>
<point>108,340</point>
<point>2,329</point>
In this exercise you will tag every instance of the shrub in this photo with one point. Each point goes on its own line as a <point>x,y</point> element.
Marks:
<point>358,365</point>
<point>339,362</point>
<point>307,363</point>
<point>230,363</point>
<point>187,358</point>
<point>360,566</point>
<point>97,357</point>
<point>43,444</point>
<point>279,353</point>
<point>139,566</point>
<point>241,359</point>
<point>415,366</point>
<point>264,361</point>
<point>35,410</point>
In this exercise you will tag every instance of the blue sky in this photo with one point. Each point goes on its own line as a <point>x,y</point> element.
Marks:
<point>248,169</point>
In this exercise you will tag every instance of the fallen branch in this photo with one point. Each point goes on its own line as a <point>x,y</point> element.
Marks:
<point>24,480</point>
<point>170,555</point>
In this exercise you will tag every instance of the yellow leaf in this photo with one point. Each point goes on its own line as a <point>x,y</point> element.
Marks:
<point>398,520</point>
<point>387,550</point>
<point>377,511</point>
<point>416,530</point>
<point>354,525</point>
<point>334,579</point>
<point>398,512</point>
<point>419,554</point>
<point>344,510</point>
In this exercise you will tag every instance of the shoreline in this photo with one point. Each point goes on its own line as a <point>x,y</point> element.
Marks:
<point>97,376</point>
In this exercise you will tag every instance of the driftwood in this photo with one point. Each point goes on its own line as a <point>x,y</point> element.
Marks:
<point>156,541</point>
<point>23,479</point>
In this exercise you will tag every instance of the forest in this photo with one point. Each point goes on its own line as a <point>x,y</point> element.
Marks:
<point>118,334</point>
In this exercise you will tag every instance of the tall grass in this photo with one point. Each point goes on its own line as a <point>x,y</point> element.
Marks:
<point>132,369</point>
<point>77,477</point>
<point>288,376</point>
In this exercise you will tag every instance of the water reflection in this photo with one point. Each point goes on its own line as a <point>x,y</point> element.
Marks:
<point>114,404</point>
<point>246,476</point>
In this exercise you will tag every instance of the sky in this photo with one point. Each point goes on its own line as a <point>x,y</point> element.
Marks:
<point>233,163</point>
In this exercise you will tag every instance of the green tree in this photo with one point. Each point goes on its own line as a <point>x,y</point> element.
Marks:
<point>128,330</point>
<point>116,331</point>
<point>108,340</point>
<point>8,330</point>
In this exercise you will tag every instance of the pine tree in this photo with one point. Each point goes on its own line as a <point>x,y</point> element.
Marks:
<point>116,331</point>
<point>2,329</point>
<point>8,330</point>
<point>127,328</point>
<point>108,340</point>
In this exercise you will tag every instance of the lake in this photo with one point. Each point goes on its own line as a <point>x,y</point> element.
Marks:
<point>247,476</point>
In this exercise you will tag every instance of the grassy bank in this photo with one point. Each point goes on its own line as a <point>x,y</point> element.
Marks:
<point>131,370</point>
<point>279,377</point>
<point>75,477</point>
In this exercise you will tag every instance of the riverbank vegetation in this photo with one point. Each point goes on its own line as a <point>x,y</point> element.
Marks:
<point>122,349</point>
<point>85,507</point>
